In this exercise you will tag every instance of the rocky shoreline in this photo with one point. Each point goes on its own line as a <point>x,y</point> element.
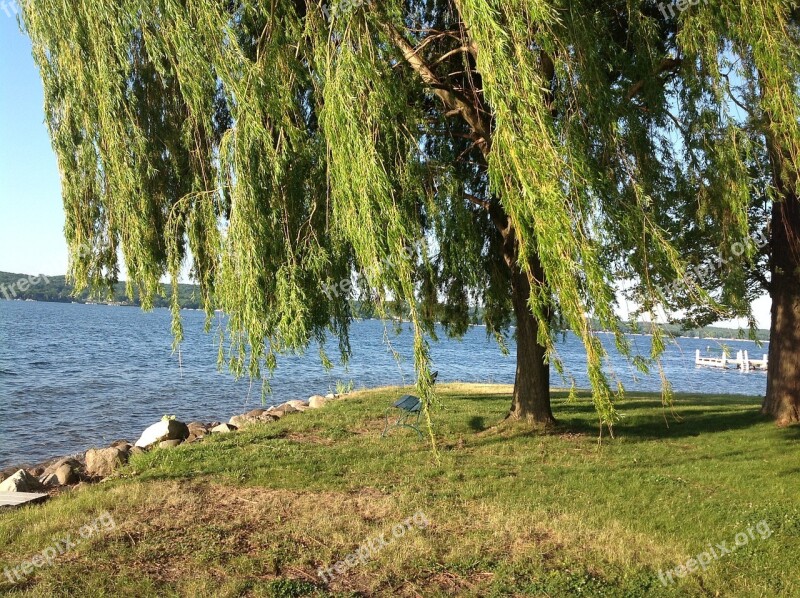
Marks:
<point>63,473</point>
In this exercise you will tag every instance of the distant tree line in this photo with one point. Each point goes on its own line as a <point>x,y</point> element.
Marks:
<point>55,289</point>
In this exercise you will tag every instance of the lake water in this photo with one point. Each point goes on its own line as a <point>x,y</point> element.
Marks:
<point>76,376</point>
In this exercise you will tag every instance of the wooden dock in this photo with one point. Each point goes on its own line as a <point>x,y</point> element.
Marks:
<point>742,361</point>
<point>17,499</point>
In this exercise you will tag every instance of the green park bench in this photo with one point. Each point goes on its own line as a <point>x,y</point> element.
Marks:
<point>410,408</point>
<point>410,411</point>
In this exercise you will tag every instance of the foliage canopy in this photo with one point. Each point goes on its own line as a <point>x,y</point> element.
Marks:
<point>279,152</point>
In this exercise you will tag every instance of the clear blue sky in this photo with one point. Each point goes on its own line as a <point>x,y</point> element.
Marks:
<point>31,214</point>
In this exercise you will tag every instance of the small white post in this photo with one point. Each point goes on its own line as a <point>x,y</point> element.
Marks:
<point>746,362</point>
<point>697,357</point>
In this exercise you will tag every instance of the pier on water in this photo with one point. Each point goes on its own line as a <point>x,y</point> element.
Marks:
<point>742,361</point>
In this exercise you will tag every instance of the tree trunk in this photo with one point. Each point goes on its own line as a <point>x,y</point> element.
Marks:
<point>783,374</point>
<point>531,400</point>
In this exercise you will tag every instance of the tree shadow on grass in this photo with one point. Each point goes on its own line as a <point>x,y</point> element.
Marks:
<point>477,423</point>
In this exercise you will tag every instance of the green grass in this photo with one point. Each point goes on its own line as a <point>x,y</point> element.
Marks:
<point>512,513</point>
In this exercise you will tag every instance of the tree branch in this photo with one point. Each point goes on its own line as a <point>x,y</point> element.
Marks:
<point>667,64</point>
<point>453,100</point>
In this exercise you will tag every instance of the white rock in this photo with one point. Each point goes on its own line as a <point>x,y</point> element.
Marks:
<point>164,430</point>
<point>317,402</point>
<point>21,481</point>
<point>299,405</point>
<point>330,395</point>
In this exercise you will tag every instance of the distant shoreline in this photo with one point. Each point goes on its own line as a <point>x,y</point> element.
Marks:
<point>72,300</point>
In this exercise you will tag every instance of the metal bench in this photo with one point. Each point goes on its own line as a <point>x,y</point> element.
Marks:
<point>410,408</point>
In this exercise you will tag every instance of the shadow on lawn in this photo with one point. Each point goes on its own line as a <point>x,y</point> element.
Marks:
<point>648,420</point>
<point>683,420</point>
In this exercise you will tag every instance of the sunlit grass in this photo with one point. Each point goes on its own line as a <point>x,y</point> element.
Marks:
<point>512,513</point>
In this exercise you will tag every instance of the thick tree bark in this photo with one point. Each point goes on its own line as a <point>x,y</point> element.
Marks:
<point>531,400</point>
<point>783,375</point>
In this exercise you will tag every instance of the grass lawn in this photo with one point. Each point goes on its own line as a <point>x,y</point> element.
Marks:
<point>511,513</point>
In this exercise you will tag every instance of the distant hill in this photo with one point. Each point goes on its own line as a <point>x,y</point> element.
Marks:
<point>55,289</point>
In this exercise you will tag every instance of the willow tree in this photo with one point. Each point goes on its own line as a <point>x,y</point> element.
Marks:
<point>280,148</point>
<point>735,211</point>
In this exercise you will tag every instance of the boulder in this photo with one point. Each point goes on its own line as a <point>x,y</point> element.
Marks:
<point>317,402</point>
<point>241,421</point>
<point>67,474</point>
<point>169,443</point>
<point>330,396</point>
<point>255,413</point>
<point>166,429</point>
<point>223,429</point>
<point>197,429</point>
<point>299,405</point>
<point>21,481</point>
<point>49,480</point>
<point>103,462</point>
<point>269,417</point>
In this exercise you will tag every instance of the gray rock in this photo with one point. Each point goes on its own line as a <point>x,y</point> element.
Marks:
<point>299,405</point>
<point>49,480</point>
<point>169,443</point>
<point>21,481</point>
<point>166,429</point>
<point>223,429</point>
<point>73,461</point>
<point>198,429</point>
<point>241,421</point>
<point>317,402</point>
<point>255,413</point>
<point>104,462</point>
<point>67,474</point>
